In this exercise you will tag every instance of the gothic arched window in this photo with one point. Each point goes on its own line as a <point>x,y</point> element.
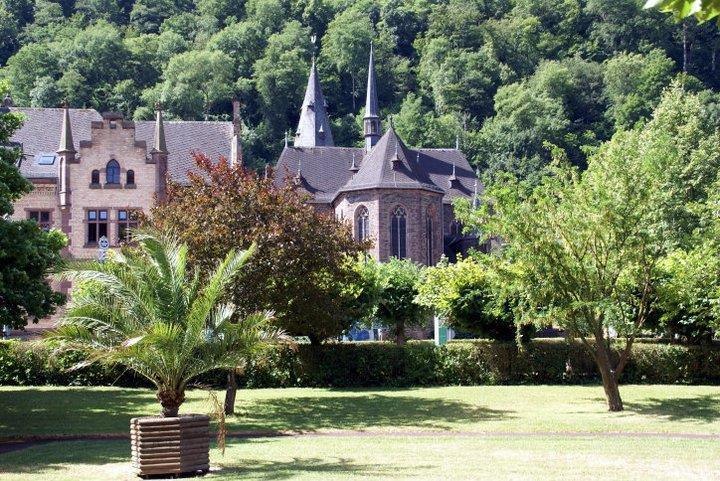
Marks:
<point>95,177</point>
<point>429,237</point>
<point>130,177</point>
<point>112,172</point>
<point>398,233</point>
<point>362,224</point>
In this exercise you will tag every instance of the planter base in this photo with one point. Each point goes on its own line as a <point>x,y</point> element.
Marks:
<point>170,446</point>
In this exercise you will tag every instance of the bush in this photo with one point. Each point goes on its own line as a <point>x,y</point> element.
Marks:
<point>382,364</point>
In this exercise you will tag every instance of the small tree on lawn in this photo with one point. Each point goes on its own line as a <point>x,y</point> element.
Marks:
<point>395,290</point>
<point>468,295</point>
<point>27,253</point>
<point>147,310</point>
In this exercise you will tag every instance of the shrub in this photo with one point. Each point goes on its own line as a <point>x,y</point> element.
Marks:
<point>382,364</point>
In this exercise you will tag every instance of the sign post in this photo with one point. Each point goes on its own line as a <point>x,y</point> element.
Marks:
<point>103,245</point>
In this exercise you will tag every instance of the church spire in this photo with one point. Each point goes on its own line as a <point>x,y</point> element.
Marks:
<point>314,125</point>
<point>371,120</point>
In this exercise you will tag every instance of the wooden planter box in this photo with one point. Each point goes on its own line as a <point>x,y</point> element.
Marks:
<point>178,445</point>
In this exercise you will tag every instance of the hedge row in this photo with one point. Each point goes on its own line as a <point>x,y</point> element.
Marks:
<point>371,364</point>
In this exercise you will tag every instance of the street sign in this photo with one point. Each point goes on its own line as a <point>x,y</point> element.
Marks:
<point>103,245</point>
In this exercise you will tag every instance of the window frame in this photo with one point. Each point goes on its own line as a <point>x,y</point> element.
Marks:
<point>97,222</point>
<point>362,223</point>
<point>112,164</point>
<point>398,232</point>
<point>43,224</point>
<point>129,223</point>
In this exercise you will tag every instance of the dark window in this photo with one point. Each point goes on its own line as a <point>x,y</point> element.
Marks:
<point>95,177</point>
<point>97,225</point>
<point>362,224</point>
<point>130,177</point>
<point>127,222</point>
<point>398,233</point>
<point>429,234</point>
<point>112,172</point>
<point>42,217</point>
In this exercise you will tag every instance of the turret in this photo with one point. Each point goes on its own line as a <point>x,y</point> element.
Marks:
<point>159,155</point>
<point>67,155</point>
<point>314,124</point>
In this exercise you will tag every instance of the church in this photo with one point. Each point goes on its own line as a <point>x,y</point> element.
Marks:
<point>91,171</point>
<point>398,197</point>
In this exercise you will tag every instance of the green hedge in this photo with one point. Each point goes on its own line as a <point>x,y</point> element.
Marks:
<point>373,364</point>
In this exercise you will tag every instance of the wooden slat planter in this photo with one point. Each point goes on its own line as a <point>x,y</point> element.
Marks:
<point>178,445</point>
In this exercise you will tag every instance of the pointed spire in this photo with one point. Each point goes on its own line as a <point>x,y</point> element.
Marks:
<point>353,166</point>
<point>452,180</point>
<point>457,141</point>
<point>66,139</point>
<point>159,145</point>
<point>475,190</point>
<point>286,139</point>
<point>371,121</point>
<point>371,100</point>
<point>314,124</point>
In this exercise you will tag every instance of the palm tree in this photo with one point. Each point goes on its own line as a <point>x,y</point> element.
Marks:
<point>145,309</point>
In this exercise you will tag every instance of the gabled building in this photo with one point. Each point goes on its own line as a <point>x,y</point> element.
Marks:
<point>397,196</point>
<point>91,171</point>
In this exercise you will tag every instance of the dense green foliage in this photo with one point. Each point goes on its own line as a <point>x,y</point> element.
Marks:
<point>371,364</point>
<point>309,289</point>
<point>146,310</point>
<point>583,249</point>
<point>27,253</point>
<point>513,74</point>
<point>391,289</point>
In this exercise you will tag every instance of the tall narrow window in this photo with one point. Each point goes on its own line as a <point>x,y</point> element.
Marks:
<point>127,222</point>
<point>42,217</point>
<point>398,233</point>
<point>95,177</point>
<point>362,224</point>
<point>429,236</point>
<point>130,177</point>
<point>112,172</point>
<point>97,225</point>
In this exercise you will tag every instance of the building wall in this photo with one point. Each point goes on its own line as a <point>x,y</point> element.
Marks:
<point>43,197</point>
<point>111,139</point>
<point>381,205</point>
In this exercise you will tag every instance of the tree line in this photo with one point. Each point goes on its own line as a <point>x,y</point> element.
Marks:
<point>511,76</point>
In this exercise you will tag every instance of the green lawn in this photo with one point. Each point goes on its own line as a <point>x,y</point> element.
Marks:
<point>497,433</point>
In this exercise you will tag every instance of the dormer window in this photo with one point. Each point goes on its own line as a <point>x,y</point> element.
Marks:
<point>46,159</point>
<point>112,172</point>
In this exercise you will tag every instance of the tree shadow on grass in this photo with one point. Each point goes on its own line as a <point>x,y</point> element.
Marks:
<point>307,414</point>
<point>315,468</point>
<point>705,408</point>
<point>57,455</point>
<point>30,411</point>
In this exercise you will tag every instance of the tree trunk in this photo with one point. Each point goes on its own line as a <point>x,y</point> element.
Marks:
<point>609,380</point>
<point>170,400</point>
<point>230,393</point>
<point>400,334</point>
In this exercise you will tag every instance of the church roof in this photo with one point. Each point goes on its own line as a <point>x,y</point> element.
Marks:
<point>41,133</point>
<point>326,170</point>
<point>314,125</point>
<point>390,164</point>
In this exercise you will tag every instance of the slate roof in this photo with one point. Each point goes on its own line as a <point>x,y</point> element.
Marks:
<point>41,134</point>
<point>326,170</point>
<point>314,124</point>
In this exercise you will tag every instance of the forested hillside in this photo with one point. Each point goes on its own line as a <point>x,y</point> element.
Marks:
<point>514,77</point>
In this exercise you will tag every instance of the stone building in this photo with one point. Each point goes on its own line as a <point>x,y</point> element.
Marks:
<point>91,171</point>
<point>397,196</point>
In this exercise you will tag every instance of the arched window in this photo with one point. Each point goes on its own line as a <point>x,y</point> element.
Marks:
<point>362,224</point>
<point>95,177</point>
<point>398,233</point>
<point>112,172</point>
<point>429,237</point>
<point>130,177</point>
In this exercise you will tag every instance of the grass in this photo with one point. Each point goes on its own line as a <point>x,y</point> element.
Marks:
<point>523,436</point>
<point>667,409</point>
<point>379,458</point>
